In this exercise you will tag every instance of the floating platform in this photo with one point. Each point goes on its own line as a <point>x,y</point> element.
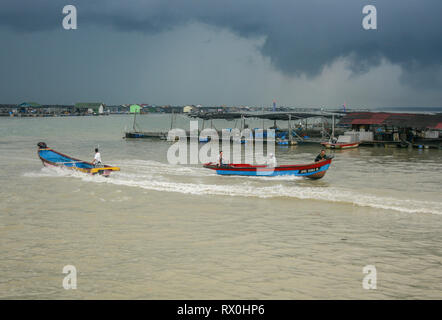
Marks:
<point>164,136</point>
<point>420,144</point>
<point>145,135</point>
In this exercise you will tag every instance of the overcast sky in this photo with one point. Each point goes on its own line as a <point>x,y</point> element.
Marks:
<point>233,52</point>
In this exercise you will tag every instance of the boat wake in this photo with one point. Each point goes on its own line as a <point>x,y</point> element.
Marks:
<point>156,176</point>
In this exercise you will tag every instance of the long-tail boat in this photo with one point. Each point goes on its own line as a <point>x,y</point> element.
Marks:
<point>50,157</point>
<point>314,170</point>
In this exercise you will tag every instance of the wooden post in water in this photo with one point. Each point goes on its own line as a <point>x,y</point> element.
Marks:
<point>171,120</point>
<point>263,120</point>
<point>290,129</point>
<point>306,127</point>
<point>134,126</point>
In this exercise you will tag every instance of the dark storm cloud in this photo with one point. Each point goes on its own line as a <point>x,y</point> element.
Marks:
<point>301,37</point>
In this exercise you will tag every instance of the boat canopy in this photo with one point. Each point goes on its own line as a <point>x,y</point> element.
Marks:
<point>267,115</point>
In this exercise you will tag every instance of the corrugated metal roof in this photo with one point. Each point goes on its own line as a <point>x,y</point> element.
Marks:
<point>30,104</point>
<point>367,121</point>
<point>86,105</point>
<point>400,120</point>
<point>268,115</point>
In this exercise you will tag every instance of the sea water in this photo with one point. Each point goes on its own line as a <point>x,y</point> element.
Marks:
<point>161,231</point>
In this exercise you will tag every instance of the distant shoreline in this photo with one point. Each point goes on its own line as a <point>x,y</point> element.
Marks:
<point>13,111</point>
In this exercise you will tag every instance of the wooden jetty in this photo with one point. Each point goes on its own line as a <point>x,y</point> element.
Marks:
<point>423,144</point>
<point>284,136</point>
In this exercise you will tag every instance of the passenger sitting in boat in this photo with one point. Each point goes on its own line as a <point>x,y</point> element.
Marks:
<point>271,162</point>
<point>97,159</point>
<point>321,156</point>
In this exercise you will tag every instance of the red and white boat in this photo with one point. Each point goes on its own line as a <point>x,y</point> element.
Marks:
<point>343,141</point>
<point>315,170</point>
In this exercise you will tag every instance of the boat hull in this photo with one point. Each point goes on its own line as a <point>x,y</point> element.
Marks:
<point>329,145</point>
<point>52,158</point>
<point>312,171</point>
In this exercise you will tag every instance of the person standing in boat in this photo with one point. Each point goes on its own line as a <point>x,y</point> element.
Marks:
<point>271,162</point>
<point>220,159</point>
<point>321,156</point>
<point>97,159</point>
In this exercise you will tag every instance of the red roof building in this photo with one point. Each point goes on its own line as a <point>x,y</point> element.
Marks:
<point>397,120</point>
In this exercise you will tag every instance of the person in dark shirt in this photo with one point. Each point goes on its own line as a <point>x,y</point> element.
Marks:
<point>321,156</point>
<point>220,159</point>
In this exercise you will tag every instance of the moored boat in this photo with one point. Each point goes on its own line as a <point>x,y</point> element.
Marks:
<point>340,145</point>
<point>50,157</point>
<point>314,170</point>
<point>343,142</point>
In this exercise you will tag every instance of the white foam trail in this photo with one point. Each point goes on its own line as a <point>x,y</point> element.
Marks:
<point>51,172</point>
<point>317,193</point>
<point>149,178</point>
<point>158,168</point>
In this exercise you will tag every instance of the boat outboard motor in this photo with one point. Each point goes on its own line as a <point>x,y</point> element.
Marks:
<point>42,145</point>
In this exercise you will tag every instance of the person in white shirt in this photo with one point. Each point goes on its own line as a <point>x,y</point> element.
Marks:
<point>271,162</point>
<point>97,158</point>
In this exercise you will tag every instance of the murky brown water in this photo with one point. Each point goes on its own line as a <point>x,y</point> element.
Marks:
<point>156,230</point>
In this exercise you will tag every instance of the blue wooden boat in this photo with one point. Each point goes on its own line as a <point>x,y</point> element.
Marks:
<point>50,157</point>
<point>314,170</point>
